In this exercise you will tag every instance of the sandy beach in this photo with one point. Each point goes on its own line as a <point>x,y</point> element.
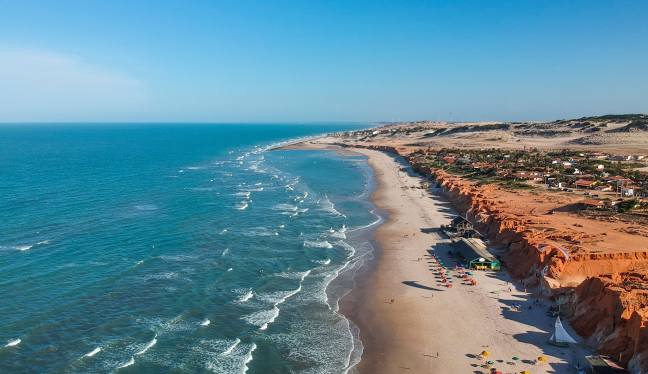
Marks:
<point>409,322</point>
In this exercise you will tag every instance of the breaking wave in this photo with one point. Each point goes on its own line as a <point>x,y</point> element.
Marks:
<point>317,244</point>
<point>93,352</point>
<point>13,343</point>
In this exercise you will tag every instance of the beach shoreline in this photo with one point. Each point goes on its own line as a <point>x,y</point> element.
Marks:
<point>408,321</point>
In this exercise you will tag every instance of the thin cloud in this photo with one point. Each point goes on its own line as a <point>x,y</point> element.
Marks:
<point>38,85</point>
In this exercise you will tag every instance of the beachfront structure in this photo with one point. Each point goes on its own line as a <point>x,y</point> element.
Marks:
<point>560,336</point>
<point>476,254</point>
<point>458,227</point>
<point>602,365</point>
<point>587,184</point>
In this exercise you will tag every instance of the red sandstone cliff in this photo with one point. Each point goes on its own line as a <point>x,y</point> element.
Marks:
<point>607,302</point>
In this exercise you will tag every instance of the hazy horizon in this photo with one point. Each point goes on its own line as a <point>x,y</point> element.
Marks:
<point>320,62</point>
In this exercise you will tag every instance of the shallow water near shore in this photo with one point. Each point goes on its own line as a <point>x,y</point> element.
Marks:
<point>187,248</point>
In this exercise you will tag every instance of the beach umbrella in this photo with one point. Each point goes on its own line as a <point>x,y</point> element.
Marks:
<point>485,354</point>
<point>525,372</point>
<point>515,358</point>
<point>542,359</point>
<point>490,362</point>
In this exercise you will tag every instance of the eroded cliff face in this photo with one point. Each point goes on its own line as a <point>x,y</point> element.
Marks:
<point>611,312</point>
<point>607,302</point>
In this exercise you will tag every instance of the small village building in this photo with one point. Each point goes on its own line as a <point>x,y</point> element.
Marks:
<point>583,183</point>
<point>618,180</point>
<point>604,188</point>
<point>476,254</point>
<point>529,175</point>
<point>628,191</point>
<point>449,159</point>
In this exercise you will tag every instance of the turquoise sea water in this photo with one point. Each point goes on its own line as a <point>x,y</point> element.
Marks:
<point>169,248</point>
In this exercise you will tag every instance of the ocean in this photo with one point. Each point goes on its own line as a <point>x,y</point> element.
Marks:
<point>178,248</point>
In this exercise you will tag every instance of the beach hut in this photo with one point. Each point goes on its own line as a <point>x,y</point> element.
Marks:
<point>457,227</point>
<point>476,254</point>
<point>560,337</point>
<point>602,365</point>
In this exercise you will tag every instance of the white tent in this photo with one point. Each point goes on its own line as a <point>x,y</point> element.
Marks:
<point>560,335</point>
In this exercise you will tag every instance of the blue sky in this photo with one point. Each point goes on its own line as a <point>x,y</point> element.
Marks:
<point>273,61</point>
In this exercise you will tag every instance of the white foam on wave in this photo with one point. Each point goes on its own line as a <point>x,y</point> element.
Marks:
<point>161,276</point>
<point>243,193</point>
<point>249,358</point>
<point>327,205</point>
<point>378,220</point>
<point>339,234</point>
<point>230,349</point>
<point>127,363</point>
<point>226,356</point>
<point>317,244</point>
<point>223,232</point>
<point>225,252</point>
<point>246,296</point>
<point>13,343</point>
<point>264,318</point>
<point>294,274</point>
<point>274,313</point>
<point>23,247</point>
<point>206,322</point>
<point>93,352</point>
<point>351,251</point>
<point>173,325</point>
<point>323,262</point>
<point>285,207</point>
<point>229,269</point>
<point>177,258</point>
<point>242,206</point>
<point>148,346</point>
<point>260,231</point>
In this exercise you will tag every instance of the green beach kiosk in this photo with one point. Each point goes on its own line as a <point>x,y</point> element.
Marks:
<point>476,254</point>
